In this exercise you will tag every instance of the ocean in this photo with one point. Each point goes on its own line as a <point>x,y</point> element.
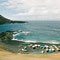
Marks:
<point>35,31</point>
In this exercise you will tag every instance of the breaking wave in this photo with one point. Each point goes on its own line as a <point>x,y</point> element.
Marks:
<point>35,41</point>
<point>53,42</point>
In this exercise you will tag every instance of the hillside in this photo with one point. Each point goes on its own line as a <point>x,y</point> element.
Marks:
<point>4,20</point>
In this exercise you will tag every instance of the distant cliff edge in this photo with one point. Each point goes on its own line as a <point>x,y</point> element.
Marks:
<point>4,20</point>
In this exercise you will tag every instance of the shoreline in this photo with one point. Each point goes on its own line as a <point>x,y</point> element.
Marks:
<point>7,55</point>
<point>26,51</point>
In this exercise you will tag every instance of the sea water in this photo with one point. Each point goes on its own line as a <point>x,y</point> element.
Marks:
<point>44,31</point>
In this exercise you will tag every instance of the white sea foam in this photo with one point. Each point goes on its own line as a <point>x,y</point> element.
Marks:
<point>26,41</point>
<point>20,32</point>
<point>34,41</point>
<point>14,39</point>
<point>29,41</point>
<point>15,34</point>
<point>53,42</point>
<point>50,42</point>
<point>25,32</point>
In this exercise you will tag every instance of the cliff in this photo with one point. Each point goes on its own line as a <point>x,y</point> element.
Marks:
<point>4,20</point>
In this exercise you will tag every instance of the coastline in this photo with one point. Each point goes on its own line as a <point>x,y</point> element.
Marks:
<point>31,53</point>
<point>26,47</point>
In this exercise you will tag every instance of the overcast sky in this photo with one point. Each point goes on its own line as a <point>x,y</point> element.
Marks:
<point>30,9</point>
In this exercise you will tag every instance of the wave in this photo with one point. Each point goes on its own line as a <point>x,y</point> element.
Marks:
<point>52,42</point>
<point>35,41</point>
<point>20,32</point>
<point>25,32</point>
<point>32,41</point>
<point>14,39</point>
<point>15,34</point>
<point>26,41</point>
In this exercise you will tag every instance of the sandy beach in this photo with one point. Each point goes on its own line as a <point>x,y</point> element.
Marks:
<point>5,55</point>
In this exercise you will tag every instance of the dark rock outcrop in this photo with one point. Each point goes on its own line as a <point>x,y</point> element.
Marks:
<point>6,36</point>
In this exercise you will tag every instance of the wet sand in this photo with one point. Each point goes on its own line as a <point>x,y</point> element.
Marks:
<point>5,55</point>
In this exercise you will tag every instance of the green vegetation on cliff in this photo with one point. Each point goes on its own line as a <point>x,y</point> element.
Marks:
<point>4,20</point>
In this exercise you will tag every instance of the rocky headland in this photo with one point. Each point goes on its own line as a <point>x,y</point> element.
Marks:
<point>4,20</point>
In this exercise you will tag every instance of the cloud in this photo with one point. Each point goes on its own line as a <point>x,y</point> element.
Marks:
<point>31,8</point>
